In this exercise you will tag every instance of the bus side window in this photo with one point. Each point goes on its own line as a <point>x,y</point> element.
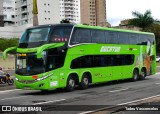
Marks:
<point>112,38</point>
<point>98,36</point>
<point>81,36</point>
<point>134,39</point>
<point>123,38</point>
<point>61,34</point>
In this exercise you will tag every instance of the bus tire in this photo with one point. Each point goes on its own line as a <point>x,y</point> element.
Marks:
<point>84,82</point>
<point>143,74</point>
<point>135,75</point>
<point>71,82</point>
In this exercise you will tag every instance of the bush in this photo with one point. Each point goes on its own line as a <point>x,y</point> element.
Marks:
<point>6,43</point>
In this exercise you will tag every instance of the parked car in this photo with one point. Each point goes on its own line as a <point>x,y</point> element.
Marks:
<point>157,59</point>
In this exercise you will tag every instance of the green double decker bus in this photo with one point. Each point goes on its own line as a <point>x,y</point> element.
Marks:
<point>66,55</point>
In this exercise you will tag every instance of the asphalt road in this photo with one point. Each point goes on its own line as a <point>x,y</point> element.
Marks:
<point>80,101</point>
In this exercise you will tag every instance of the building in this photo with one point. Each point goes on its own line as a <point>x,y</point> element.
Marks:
<point>19,13</point>
<point>70,10</point>
<point>1,14</point>
<point>125,25</point>
<point>93,12</point>
<point>9,12</point>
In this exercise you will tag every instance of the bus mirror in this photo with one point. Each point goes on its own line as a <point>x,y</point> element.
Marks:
<point>7,50</point>
<point>41,49</point>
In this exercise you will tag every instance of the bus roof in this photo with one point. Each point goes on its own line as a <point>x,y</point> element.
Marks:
<point>92,27</point>
<point>111,29</point>
<point>51,25</point>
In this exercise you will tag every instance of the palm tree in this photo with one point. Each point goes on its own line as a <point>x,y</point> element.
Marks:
<point>142,20</point>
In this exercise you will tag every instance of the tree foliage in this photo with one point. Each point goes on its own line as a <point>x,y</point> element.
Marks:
<point>64,21</point>
<point>6,43</point>
<point>142,20</point>
<point>148,24</point>
<point>155,28</point>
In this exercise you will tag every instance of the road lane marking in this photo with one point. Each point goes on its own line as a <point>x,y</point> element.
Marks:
<point>139,100</point>
<point>118,90</point>
<point>9,90</point>
<point>12,98</point>
<point>157,83</point>
<point>48,102</point>
<point>87,112</point>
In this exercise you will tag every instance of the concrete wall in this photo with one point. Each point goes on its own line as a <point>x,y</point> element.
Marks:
<point>13,32</point>
<point>48,11</point>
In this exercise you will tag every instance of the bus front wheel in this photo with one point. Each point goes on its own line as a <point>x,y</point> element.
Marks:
<point>70,83</point>
<point>84,82</point>
<point>135,75</point>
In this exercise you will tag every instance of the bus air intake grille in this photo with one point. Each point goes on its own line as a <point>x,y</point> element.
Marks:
<point>27,81</point>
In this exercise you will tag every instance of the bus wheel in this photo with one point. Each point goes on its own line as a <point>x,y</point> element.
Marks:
<point>84,82</point>
<point>143,74</point>
<point>135,75</point>
<point>70,84</point>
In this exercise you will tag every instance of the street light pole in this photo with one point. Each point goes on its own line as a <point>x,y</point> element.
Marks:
<point>35,13</point>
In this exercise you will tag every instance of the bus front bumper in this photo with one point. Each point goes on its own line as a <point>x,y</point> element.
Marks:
<point>33,85</point>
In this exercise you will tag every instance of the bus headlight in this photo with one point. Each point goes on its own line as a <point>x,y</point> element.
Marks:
<point>16,79</point>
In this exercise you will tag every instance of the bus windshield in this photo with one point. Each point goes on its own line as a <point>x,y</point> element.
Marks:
<point>35,35</point>
<point>28,64</point>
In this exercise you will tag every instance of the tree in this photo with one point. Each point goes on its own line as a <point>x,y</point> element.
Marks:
<point>142,20</point>
<point>155,28</point>
<point>6,43</point>
<point>64,21</point>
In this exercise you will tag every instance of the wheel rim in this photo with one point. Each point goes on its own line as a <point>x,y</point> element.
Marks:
<point>71,83</point>
<point>135,76</point>
<point>85,81</point>
<point>143,74</point>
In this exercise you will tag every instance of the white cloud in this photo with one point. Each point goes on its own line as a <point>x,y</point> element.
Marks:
<point>122,9</point>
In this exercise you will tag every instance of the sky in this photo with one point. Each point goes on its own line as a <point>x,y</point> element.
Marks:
<point>118,10</point>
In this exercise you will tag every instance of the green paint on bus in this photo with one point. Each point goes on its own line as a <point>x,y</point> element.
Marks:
<point>65,55</point>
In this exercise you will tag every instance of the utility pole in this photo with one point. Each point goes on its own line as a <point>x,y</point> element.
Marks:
<point>35,13</point>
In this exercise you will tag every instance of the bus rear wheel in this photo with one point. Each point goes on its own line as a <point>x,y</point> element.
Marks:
<point>135,75</point>
<point>143,74</point>
<point>84,82</point>
<point>71,82</point>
